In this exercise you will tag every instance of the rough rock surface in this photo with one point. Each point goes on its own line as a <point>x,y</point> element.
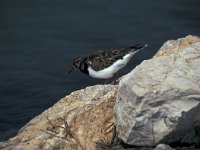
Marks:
<point>82,120</point>
<point>159,101</point>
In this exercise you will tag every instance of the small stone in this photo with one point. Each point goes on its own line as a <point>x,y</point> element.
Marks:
<point>163,147</point>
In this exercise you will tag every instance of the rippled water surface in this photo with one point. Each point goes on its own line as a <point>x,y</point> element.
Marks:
<point>39,39</point>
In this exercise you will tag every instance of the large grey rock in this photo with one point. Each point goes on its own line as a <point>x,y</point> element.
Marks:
<point>159,101</point>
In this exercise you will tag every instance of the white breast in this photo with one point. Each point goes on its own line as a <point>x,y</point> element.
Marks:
<point>111,70</point>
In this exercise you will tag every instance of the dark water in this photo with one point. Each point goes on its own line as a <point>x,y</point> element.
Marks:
<point>39,39</point>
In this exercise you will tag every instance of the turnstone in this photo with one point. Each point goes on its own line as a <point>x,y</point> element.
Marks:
<point>105,63</point>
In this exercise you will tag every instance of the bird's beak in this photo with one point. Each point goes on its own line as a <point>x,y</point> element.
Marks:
<point>72,68</point>
<point>70,71</point>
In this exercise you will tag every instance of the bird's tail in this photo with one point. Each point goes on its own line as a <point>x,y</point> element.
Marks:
<point>138,47</point>
<point>135,48</point>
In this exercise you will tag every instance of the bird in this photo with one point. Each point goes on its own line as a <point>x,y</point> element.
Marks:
<point>105,63</point>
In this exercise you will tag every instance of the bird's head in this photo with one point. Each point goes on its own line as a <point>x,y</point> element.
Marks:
<point>76,64</point>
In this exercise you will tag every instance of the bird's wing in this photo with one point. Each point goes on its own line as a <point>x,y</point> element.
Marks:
<point>104,58</point>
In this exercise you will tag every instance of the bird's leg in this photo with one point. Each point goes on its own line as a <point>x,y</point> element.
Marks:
<point>106,81</point>
<point>116,77</point>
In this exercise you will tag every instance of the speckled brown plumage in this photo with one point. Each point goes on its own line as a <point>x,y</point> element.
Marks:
<point>104,58</point>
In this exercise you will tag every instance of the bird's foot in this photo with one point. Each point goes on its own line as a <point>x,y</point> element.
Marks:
<point>115,82</point>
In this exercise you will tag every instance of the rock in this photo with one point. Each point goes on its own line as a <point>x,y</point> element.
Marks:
<point>159,101</point>
<point>82,120</point>
<point>163,147</point>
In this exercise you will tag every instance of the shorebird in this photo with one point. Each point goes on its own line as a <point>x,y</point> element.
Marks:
<point>105,63</point>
